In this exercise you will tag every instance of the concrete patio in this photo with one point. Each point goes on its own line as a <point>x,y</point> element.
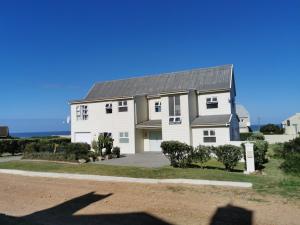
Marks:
<point>145,159</point>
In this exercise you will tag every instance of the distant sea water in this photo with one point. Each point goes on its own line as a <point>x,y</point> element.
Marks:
<point>40,134</point>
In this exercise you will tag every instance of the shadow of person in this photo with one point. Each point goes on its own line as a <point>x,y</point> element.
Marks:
<point>232,215</point>
<point>63,214</point>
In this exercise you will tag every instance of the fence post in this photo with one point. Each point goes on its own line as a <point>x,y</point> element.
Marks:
<point>249,158</point>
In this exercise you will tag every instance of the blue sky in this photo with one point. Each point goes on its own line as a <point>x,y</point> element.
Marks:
<point>53,51</point>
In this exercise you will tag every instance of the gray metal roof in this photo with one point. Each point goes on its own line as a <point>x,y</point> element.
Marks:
<point>207,79</point>
<point>211,120</point>
<point>241,111</point>
<point>149,124</point>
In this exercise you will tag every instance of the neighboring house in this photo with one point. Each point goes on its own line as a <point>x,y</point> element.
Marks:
<point>195,106</point>
<point>292,125</point>
<point>4,132</point>
<point>244,118</point>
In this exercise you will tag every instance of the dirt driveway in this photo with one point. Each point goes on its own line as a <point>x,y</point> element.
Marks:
<point>48,201</point>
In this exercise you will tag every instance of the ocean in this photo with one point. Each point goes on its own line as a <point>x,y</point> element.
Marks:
<point>40,134</point>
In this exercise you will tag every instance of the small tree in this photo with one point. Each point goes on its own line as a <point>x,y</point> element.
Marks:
<point>201,154</point>
<point>105,141</point>
<point>229,155</point>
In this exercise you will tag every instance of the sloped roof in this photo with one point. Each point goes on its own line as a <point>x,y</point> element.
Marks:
<point>241,111</point>
<point>212,120</point>
<point>207,79</point>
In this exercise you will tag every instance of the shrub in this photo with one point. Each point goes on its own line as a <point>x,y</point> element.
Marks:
<point>179,154</point>
<point>291,147</point>
<point>39,147</point>
<point>59,156</point>
<point>229,155</point>
<point>256,136</point>
<point>116,152</point>
<point>260,151</point>
<point>105,141</point>
<point>201,154</point>
<point>291,164</point>
<point>80,150</point>
<point>245,136</point>
<point>271,129</point>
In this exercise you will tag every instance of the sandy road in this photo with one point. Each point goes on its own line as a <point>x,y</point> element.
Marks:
<point>62,202</point>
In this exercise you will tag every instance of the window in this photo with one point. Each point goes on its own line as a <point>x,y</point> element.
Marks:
<point>123,106</point>
<point>209,136</point>
<point>288,123</point>
<point>157,106</point>
<point>82,112</point>
<point>211,102</point>
<point>106,134</point>
<point>108,108</point>
<point>174,109</point>
<point>123,137</point>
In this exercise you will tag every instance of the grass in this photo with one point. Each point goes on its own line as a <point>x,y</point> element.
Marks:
<point>273,182</point>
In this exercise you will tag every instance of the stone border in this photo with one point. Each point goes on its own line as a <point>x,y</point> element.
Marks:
<point>127,179</point>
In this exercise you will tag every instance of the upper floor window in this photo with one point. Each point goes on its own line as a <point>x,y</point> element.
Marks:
<point>157,106</point>
<point>209,136</point>
<point>82,112</point>
<point>174,109</point>
<point>123,106</point>
<point>288,123</point>
<point>212,102</point>
<point>108,108</point>
<point>123,137</point>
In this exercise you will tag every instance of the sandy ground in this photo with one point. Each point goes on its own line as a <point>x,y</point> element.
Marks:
<point>62,202</point>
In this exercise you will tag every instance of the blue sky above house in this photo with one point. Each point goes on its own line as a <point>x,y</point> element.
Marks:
<point>53,51</point>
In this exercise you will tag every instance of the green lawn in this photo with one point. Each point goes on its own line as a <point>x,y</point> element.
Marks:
<point>273,181</point>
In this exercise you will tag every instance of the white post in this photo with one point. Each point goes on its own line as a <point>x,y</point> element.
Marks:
<point>249,158</point>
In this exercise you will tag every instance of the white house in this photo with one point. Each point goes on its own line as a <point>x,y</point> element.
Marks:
<point>244,118</point>
<point>195,106</point>
<point>292,125</point>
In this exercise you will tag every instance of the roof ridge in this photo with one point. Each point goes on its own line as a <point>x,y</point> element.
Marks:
<point>166,73</point>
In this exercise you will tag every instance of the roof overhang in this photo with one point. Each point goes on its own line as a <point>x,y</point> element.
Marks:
<point>73,102</point>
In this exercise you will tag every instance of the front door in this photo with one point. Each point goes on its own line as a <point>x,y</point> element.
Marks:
<point>155,140</point>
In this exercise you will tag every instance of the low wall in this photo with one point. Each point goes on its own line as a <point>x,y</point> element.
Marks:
<point>279,138</point>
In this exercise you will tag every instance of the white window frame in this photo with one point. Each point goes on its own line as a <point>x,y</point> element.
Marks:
<point>124,137</point>
<point>175,118</point>
<point>108,108</point>
<point>82,112</point>
<point>123,106</point>
<point>209,136</point>
<point>157,106</point>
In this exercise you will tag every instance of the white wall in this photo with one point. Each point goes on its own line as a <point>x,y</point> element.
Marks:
<point>222,136</point>
<point>141,109</point>
<point>279,138</point>
<point>294,127</point>
<point>151,108</point>
<point>99,122</point>
<point>177,132</point>
<point>224,106</point>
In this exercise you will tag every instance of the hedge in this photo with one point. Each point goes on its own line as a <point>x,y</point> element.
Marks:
<point>63,152</point>
<point>14,146</point>
<point>245,136</point>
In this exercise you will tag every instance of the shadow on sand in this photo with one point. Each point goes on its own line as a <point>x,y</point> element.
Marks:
<point>63,214</point>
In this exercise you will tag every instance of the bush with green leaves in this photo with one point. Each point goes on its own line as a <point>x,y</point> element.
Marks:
<point>58,156</point>
<point>260,152</point>
<point>202,154</point>
<point>17,145</point>
<point>229,155</point>
<point>105,142</point>
<point>256,136</point>
<point>271,129</point>
<point>116,152</point>
<point>291,147</point>
<point>245,136</point>
<point>179,154</point>
<point>291,164</point>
